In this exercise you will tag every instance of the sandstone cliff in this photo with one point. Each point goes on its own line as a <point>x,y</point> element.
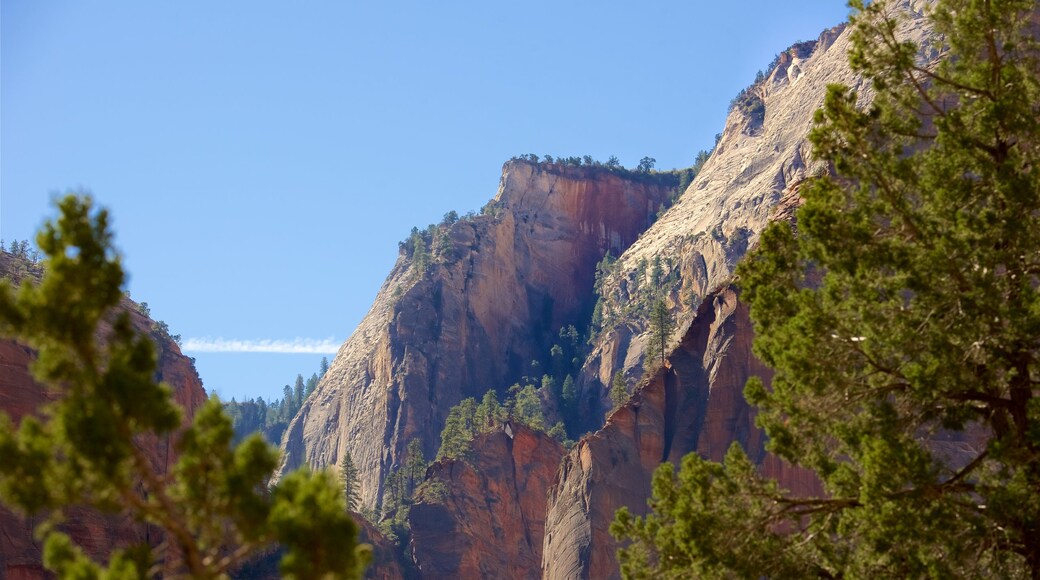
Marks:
<point>485,517</point>
<point>762,155</point>
<point>695,403</point>
<point>504,284</point>
<point>20,395</point>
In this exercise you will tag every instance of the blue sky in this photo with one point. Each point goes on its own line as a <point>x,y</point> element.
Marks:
<point>262,160</point>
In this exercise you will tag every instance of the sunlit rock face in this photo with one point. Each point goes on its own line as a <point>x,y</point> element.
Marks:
<point>762,156</point>
<point>475,320</point>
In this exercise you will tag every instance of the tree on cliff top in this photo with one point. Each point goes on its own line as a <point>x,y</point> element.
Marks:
<point>903,320</point>
<point>83,448</point>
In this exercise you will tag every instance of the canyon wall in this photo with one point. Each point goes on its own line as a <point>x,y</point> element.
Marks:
<point>484,517</point>
<point>475,319</point>
<point>762,155</point>
<point>695,403</point>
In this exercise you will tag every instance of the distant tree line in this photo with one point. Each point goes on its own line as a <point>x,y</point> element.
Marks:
<point>433,243</point>
<point>270,418</point>
<point>21,249</point>
<point>468,419</point>
<point>25,259</point>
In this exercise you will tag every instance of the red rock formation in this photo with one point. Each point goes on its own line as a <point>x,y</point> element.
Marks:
<point>696,404</point>
<point>489,519</point>
<point>97,534</point>
<point>474,320</point>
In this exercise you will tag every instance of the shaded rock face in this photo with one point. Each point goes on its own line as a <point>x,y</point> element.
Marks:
<point>473,321</point>
<point>695,403</point>
<point>490,519</point>
<point>98,534</point>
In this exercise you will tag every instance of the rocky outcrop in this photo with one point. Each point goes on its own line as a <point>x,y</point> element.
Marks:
<point>762,156</point>
<point>474,320</point>
<point>694,404</point>
<point>484,517</point>
<point>98,534</point>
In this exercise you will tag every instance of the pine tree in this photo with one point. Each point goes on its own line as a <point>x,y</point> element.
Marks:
<point>414,465</point>
<point>618,390</point>
<point>324,367</point>
<point>489,413</point>
<point>903,309</point>
<point>213,504</point>
<point>312,383</point>
<point>350,482</point>
<point>661,328</point>
<point>570,394</point>
<point>298,390</point>
<point>459,429</point>
<point>527,408</point>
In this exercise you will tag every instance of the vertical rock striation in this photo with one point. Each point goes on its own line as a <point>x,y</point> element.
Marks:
<point>474,320</point>
<point>693,404</point>
<point>696,404</point>
<point>488,519</point>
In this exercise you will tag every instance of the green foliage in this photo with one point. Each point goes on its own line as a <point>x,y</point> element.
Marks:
<point>690,534</point>
<point>433,491</point>
<point>526,408</point>
<point>646,164</point>
<point>904,308</point>
<point>569,395</point>
<point>661,327</point>
<point>490,413</point>
<point>459,428</point>
<point>618,390</point>
<point>468,419</point>
<point>271,418</point>
<point>83,449</point>
<point>644,286</point>
<point>349,482</point>
<point>749,103</point>
<point>415,465</point>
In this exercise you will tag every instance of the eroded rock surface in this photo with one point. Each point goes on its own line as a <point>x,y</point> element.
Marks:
<point>762,157</point>
<point>489,518</point>
<point>695,403</point>
<point>474,320</point>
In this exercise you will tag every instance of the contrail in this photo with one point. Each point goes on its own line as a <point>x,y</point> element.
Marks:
<point>269,345</point>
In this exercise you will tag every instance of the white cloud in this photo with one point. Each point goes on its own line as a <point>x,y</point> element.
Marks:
<point>294,346</point>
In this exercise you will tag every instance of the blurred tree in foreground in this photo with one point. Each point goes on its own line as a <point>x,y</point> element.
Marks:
<point>214,505</point>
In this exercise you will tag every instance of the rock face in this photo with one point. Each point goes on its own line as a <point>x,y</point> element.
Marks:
<point>489,518</point>
<point>97,534</point>
<point>696,404</point>
<point>473,320</point>
<point>763,155</point>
